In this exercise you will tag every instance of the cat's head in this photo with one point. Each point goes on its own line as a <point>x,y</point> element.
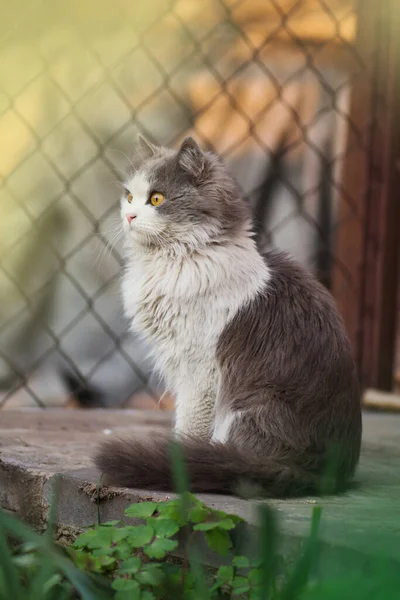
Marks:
<point>182,198</point>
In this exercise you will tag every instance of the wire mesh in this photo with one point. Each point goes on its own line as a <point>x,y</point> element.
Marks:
<point>265,84</point>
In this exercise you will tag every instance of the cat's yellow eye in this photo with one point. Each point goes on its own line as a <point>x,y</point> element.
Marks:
<point>129,198</point>
<point>156,199</point>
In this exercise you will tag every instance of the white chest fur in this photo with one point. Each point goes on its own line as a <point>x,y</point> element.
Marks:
<point>181,305</point>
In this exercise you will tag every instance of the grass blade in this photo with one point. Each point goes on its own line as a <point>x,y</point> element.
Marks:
<point>302,569</point>
<point>12,583</point>
<point>200,579</point>
<point>267,549</point>
<point>79,580</point>
<point>38,585</point>
<point>98,489</point>
<point>178,467</point>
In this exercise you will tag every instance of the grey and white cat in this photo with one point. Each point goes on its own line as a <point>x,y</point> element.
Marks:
<point>252,346</point>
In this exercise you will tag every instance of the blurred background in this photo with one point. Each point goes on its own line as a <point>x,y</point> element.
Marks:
<point>299,98</point>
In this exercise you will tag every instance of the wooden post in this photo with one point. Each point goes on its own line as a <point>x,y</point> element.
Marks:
<point>365,276</point>
<point>383,216</point>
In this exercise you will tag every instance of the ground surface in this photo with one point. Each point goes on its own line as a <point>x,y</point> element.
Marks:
<point>39,447</point>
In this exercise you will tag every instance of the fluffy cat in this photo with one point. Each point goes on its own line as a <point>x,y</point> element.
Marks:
<point>252,346</point>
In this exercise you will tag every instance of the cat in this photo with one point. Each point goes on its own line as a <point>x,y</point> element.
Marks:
<point>252,345</point>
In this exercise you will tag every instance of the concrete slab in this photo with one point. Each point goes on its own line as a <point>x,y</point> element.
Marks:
<point>36,445</point>
<point>57,440</point>
<point>38,448</point>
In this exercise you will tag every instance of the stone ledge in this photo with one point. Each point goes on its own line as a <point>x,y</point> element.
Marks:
<point>37,450</point>
<point>38,445</point>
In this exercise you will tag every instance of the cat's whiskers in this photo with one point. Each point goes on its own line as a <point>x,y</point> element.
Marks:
<point>155,236</point>
<point>109,242</point>
<point>118,182</point>
<point>130,161</point>
<point>152,235</point>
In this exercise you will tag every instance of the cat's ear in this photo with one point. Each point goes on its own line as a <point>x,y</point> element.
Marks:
<point>147,148</point>
<point>191,158</point>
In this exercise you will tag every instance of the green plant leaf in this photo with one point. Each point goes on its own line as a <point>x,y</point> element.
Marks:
<point>163,527</point>
<point>127,589</point>
<point>101,537</point>
<point>84,539</point>
<point>241,562</point>
<point>160,547</point>
<point>219,541</point>
<point>222,524</point>
<point>224,575</point>
<point>140,536</point>
<point>118,534</point>
<point>240,585</point>
<point>90,563</point>
<point>124,585</point>
<point>127,595</point>
<point>107,561</point>
<point>142,510</point>
<point>255,577</point>
<point>151,574</point>
<point>219,515</point>
<point>99,552</point>
<point>171,510</point>
<point>111,523</point>
<point>130,566</point>
<point>122,550</point>
<point>147,596</point>
<point>198,514</point>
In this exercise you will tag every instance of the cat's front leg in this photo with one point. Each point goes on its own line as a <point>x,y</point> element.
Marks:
<point>194,413</point>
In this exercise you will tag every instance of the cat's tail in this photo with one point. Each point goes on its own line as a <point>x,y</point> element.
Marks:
<point>212,467</point>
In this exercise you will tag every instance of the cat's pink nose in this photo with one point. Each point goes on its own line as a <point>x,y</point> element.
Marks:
<point>130,218</point>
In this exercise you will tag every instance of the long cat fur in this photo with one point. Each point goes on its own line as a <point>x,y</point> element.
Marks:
<point>252,346</point>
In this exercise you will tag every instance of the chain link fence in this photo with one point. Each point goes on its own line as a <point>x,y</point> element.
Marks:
<point>265,83</point>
